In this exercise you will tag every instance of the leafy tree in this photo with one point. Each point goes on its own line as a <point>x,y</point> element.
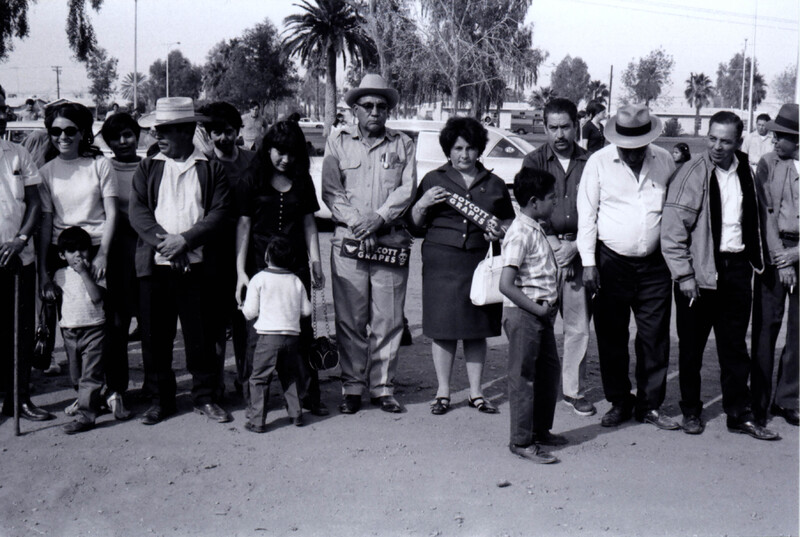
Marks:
<point>185,79</point>
<point>126,86</point>
<point>570,79</point>
<point>102,73</point>
<point>729,83</point>
<point>249,68</point>
<point>698,93</point>
<point>327,29</point>
<point>785,84</point>
<point>646,78</point>
<point>596,91</point>
<point>80,33</point>
<point>540,97</point>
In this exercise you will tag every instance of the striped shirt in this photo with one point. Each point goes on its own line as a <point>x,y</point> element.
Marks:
<point>526,248</point>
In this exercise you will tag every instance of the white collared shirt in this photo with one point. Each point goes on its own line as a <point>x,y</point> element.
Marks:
<point>618,209</point>
<point>756,146</point>
<point>180,200</point>
<point>17,171</point>
<point>730,193</point>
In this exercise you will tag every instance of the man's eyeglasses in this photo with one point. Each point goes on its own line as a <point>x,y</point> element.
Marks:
<point>56,131</point>
<point>369,106</point>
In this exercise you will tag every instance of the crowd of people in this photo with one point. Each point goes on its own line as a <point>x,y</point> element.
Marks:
<point>222,237</point>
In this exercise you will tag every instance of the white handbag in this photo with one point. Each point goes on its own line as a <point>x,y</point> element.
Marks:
<point>485,287</point>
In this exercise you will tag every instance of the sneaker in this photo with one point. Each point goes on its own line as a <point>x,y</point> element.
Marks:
<point>580,405</point>
<point>72,409</point>
<point>117,408</point>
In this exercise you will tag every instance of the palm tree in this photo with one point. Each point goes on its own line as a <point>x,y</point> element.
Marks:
<point>596,91</point>
<point>126,86</point>
<point>327,29</point>
<point>699,92</point>
<point>541,97</point>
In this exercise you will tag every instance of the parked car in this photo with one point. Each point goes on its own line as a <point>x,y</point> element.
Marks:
<point>17,131</point>
<point>503,154</point>
<point>308,122</point>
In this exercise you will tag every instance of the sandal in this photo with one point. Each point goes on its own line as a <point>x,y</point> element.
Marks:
<point>440,406</point>
<point>482,405</point>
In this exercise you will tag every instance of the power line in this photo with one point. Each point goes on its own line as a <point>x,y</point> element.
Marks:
<point>747,16</point>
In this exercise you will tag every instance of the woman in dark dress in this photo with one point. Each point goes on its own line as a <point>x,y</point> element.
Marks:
<point>452,249</point>
<point>593,130</point>
<point>278,196</point>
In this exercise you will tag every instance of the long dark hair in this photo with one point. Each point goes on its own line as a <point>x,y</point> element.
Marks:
<point>83,119</point>
<point>286,137</point>
<point>685,153</point>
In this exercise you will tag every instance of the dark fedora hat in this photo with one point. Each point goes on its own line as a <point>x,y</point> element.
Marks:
<point>786,121</point>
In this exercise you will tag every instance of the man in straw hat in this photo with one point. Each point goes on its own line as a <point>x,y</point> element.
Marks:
<point>620,199</point>
<point>711,241</point>
<point>777,176</point>
<point>179,203</point>
<point>368,182</point>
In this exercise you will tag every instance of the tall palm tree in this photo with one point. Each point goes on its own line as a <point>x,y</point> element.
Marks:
<point>596,91</point>
<point>327,29</point>
<point>126,86</point>
<point>698,92</point>
<point>541,97</point>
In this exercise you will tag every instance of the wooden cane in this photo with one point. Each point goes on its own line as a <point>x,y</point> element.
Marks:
<point>15,342</point>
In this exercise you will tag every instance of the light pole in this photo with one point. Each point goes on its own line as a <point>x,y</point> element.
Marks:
<point>135,44</point>
<point>169,46</point>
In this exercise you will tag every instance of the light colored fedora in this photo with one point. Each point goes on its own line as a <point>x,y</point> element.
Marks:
<point>786,121</point>
<point>172,111</point>
<point>633,126</point>
<point>372,84</point>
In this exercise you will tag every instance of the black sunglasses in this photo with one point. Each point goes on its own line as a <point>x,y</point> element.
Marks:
<point>382,107</point>
<point>56,131</point>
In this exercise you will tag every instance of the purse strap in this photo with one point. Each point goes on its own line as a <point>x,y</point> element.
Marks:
<point>314,314</point>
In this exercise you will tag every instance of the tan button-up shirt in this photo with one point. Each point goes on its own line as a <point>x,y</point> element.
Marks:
<point>359,179</point>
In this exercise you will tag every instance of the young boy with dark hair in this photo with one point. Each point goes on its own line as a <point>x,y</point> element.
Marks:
<point>528,282</point>
<point>277,300</point>
<point>82,325</point>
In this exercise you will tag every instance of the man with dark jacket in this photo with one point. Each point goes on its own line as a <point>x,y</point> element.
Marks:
<point>710,238</point>
<point>179,204</point>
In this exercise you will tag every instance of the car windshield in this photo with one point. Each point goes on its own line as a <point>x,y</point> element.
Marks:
<point>522,143</point>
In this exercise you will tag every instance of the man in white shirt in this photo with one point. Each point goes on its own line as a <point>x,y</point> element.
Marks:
<point>711,240</point>
<point>620,199</point>
<point>758,142</point>
<point>19,216</point>
<point>180,203</point>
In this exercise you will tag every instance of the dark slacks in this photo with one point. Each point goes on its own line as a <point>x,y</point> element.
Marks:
<point>279,352</point>
<point>727,311</point>
<point>25,331</point>
<point>533,374</point>
<point>165,297</point>
<point>122,303</point>
<point>769,298</point>
<point>641,285</point>
<point>85,347</point>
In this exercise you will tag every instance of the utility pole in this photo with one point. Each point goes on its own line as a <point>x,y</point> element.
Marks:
<point>610,85</point>
<point>744,64</point>
<point>135,68</point>
<point>57,69</point>
<point>752,69</point>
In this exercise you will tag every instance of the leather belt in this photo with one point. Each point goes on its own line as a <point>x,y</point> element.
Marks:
<point>566,236</point>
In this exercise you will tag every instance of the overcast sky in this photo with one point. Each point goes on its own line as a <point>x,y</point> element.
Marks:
<point>699,34</point>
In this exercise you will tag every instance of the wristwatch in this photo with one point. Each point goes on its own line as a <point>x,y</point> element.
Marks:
<point>24,238</point>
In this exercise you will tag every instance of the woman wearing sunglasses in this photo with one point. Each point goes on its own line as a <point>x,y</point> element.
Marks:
<point>78,188</point>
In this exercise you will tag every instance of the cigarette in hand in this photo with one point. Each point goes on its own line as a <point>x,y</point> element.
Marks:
<point>691,301</point>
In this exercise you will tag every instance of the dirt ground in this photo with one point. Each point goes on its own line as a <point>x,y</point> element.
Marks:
<point>377,474</point>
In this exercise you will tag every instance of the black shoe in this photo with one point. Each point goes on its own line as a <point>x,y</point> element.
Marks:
<point>533,454</point>
<point>406,340</point>
<point>29,411</point>
<point>660,420</point>
<point>213,412</point>
<point>298,421</point>
<point>260,429</point>
<point>387,403</point>
<point>791,416</point>
<point>317,409</point>
<point>616,416</point>
<point>692,425</point>
<point>156,414</point>
<point>350,404</point>
<point>78,426</point>
<point>753,429</point>
<point>546,438</point>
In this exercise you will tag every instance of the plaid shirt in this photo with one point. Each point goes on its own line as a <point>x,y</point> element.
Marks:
<point>525,247</point>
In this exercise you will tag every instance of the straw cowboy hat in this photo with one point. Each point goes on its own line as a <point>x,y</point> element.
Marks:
<point>172,111</point>
<point>372,84</point>
<point>786,121</point>
<point>633,127</point>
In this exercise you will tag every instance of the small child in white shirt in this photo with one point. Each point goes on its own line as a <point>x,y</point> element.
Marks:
<point>277,300</point>
<point>82,324</point>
